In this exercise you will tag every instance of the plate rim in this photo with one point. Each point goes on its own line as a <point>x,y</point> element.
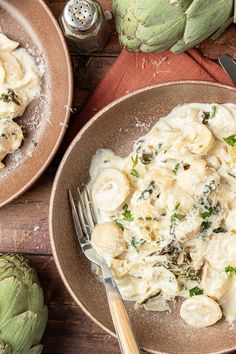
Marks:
<point>46,163</point>
<point>57,176</point>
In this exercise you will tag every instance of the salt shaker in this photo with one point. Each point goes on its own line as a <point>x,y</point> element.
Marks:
<point>86,25</point>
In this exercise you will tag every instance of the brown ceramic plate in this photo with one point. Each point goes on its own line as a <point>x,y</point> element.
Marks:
<point>115,127</point>
<point>44,122</point>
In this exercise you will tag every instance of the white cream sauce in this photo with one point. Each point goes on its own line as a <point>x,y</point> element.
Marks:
<point>176,213</point>
<point>20,83</point>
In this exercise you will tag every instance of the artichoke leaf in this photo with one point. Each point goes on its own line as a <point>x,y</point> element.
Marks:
<point>13,299</point>
<point>35,350</point>
<point>199,7</point>
<point>200,25</point>
<point>35,298</point>
<point>130,43</point>
<point>129,25</point>
<point>181,46</point>
<point>17,266</point>
<point>5,348</point>
<point>18,330</point>
<point>168,33</point>
<point>154,48</point>
<point>39,326</point>
<point>222,28</point>
<point>120,7</point>
<point>149,13</point>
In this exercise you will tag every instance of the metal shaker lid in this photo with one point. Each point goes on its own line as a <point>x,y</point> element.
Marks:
<point>80,15</point>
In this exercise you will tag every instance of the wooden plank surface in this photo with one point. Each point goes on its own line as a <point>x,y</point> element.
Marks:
<point>24,222</point>
<point>24,229</point>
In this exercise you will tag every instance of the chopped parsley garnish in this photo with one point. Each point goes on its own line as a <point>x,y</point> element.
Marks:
<point>137,243</point>
<point>119,224</point>
<point>176,168</point>
<point>206,214</point>
<point>205,225</point>
<point>209,115</point>
<point>230,271</point>
<point>134,160</point>
<point>230,140</point>
<point>177,206</point>
<point>127,213</point>
<point>210,210</point>
<point>147,192</point>
<point>176,216</point>
<point>195,291</point>
<point>185,166</point>
<point>213,111</point>
<point>10,96</point>
<point>134,172</point>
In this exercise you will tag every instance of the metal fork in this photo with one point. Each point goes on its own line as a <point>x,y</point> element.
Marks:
<point>84,221</point>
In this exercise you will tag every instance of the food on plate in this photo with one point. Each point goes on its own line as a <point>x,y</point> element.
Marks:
<point>200,311</point>
<point>154,26</point>
<point>166,214</point>
<point>20,83</point>
<point>23,315</point>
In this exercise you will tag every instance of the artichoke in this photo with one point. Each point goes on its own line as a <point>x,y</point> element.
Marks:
<point>157,25</point>
<point>23,315</point>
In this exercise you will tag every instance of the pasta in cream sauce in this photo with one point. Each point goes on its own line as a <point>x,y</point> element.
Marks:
<point>167,214</point>
<point>20,83</point>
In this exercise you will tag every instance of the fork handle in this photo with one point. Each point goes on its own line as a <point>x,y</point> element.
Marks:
<point>125,334</point>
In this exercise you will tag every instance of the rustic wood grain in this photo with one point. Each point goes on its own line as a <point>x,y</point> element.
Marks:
<point>226,43</point>
<point>69,331</point>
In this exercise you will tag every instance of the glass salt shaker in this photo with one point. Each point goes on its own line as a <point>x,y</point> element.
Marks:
<point>86,25</point>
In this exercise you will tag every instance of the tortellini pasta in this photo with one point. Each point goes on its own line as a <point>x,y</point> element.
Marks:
<point>200,311</point>
<point>170,210</point>
<point>20,82</point>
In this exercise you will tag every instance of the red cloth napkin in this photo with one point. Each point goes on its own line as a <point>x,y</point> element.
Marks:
<point>132,71</point>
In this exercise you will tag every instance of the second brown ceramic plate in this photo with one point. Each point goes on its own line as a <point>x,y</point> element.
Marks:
<point>116,127</point>
<point>45,120</point>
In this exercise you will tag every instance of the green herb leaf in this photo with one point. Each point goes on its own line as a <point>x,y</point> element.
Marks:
<point>177,216</point>
<point>119,224</point>
<point>206,214</point>
<point>205,225</point>
<point>209,115</point>
<point>127,213</point>
<point>176,168</point>
<point>230,140</point>
<point>213,111</point>
<point>177,206</point>
<point>134,160</point>
<point>195,291</point>
<point>134,173</point>
<point>230,271</point>
<point>137,243</point>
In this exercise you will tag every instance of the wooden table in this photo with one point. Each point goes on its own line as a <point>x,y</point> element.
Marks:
<point>24,222</point>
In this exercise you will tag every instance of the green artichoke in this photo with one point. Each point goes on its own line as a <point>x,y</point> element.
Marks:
<point>23,315</point>
<point>157,25</point>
